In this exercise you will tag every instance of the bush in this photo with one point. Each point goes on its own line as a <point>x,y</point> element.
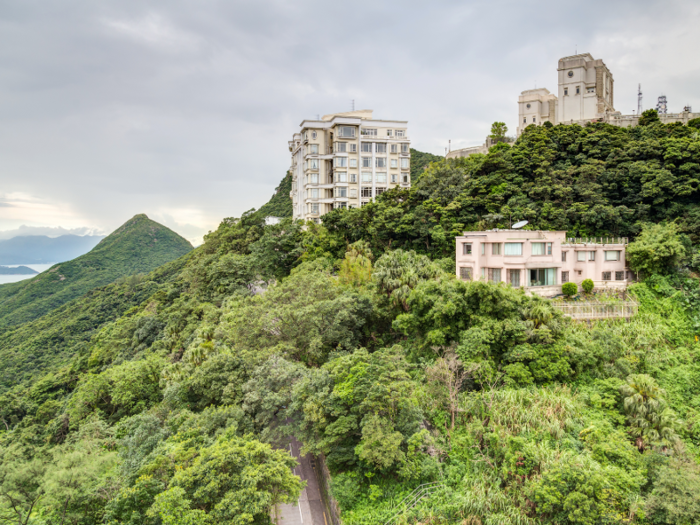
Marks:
<point>694,123</point>
<point>587,286</point>
<point>569,289</point>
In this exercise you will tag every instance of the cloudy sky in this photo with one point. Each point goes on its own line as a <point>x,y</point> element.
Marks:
<point>182,109</point>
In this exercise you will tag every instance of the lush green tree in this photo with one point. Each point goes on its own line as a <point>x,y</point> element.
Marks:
<point>569,289</point>
<point>649,116</point>
<point>657,249</point>
<point>398,272</point>
<point>675,498</point>
<point>498,131</point>
<point>20,486</point>
<point>587,285</point>
<point>356,267</point>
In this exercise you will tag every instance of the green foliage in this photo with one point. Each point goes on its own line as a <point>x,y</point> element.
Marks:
<point>675,498</point>
<point>420,162</point>
<point>587,285</point>
<point>649,116</point>
<point>280,205</point>
<point>569,289</point>
<point>657,249</point>
<point>498,131</point>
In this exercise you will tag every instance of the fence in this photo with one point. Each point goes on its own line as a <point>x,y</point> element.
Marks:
<point>596,240</point>
<point>596,310</point>
<point>410,501</point>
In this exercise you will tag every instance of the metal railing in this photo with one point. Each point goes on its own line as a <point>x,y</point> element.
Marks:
<point>596,240</point>
<point>411,500</point>
<point>596,310</point>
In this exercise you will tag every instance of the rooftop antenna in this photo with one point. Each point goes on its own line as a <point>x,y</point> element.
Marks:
<point>639,100</point>
<point>576,49</point>
<point>661,105</point>
<point>449,143</point>
<point>519,225</point>
<point>352,104</point>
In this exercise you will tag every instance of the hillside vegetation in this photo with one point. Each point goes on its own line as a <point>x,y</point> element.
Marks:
<point>138,246</point>
<point>364,345</point>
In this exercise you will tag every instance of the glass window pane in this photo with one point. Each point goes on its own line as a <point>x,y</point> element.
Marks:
<point>537,248</point>
<point>514,248</point>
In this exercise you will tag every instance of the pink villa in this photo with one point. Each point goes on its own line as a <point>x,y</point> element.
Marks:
<point>540,261</point>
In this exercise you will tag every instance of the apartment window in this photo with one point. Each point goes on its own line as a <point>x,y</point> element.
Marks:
<point>353,177</point>
<point>581,256</point>
<point>400,132</point>
<point>313,193</point>
<point>313,178</point>
<point>366,176</point>
<point>394,178</point>
<point>394,148</point>
<point>380,162</point>
<point>353,193</point>
<point>404,163</point>
<point>388,133</point>
<point>404,148</point>
<point>353,148</point>
<point>341,162</point>
<point>564,277</point>
<point>313,134</point>
<point>619,276</point>
<point>496,248</point>
<point>483,248</point>
<point>612,255</point>
<point>543,276</point>
<point>513,248</point>
<point>465,273</point>
<point>314,207</point>
<point>379,191</point>
<point>353,163</point>
<point>340,147</point>
<point>368,132</point>
<point>342,177</point>
<point>381,177</point>
<point>313,149</point>
<point>591,256</point>
<point>341,192</point>
<point>366,147</point>
<point>514,277</point>
<point>538,248</point>
<point>578,90</point>
<point>394,163</point>
<point>563,256</point>
<point>381,148</point>
<point>366,162</point>
<point>346,132</point>
<point>494,275</point>
<point>313,164</point>
<point>466,248</point>
<point>566,91</point>
<point>534,120</point>
<point>405,177</point>
<point>607,276</point>
<point>366,192</point>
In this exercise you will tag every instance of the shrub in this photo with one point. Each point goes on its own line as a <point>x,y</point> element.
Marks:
<point>569,289</point>
<point>587,286</point>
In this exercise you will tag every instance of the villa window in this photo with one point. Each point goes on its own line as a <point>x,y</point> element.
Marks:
<point>581,256</point>
<point>368,132</point>
<point>400,132</point>
<point>619,276</point>
<point>465,273</point>
<point>366,192</point>
<point>313,164</point>
<point>607,276</point>
<point>388,133</point>
<point>549,248</point>
<point>563,256</point>
<point>346,132</point>
<point>314,207</point>
<point>496,248</point>
<point>313,135</point>
<point>466,248</point>
<point>483,248</point>
<point>578,90</point>
<point>564,277</point>
<point>313,149</point>
<point>543,277</point>
<point>612,255</point>
<point>514,277</point>
<point>534,120</point>
<point>591,256</point>
<point>566,91</point>
<point>494,275</point>
<point>538,248</point>
<point>513,248</point>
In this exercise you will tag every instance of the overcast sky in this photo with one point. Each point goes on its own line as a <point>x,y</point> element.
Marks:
<point>182,109</point>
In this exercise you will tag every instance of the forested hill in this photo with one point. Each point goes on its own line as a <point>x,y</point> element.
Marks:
<point>138,246</point>
<point>163,399</point>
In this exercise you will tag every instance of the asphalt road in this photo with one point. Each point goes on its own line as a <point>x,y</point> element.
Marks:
<point>309,510</point>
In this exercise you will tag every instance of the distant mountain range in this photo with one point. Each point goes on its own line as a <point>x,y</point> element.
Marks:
<point>40,249</point>
<point>17,270</point>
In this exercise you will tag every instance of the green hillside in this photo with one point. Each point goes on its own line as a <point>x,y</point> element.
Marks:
<point>280,205</point>
<point>158,399</point>
<point>138,246</point>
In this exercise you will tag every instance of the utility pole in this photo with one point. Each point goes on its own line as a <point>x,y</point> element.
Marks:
<point>639,100</point>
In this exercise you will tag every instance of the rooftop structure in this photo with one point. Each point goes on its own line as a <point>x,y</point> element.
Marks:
<point>541,261</point>
<point>344,160</point>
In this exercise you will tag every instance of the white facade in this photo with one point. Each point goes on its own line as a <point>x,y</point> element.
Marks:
<point>345,160</point>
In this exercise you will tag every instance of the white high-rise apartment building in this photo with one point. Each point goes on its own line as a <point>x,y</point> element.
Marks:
<point>345,160</point>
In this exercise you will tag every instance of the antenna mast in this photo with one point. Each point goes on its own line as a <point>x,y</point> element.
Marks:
<point>352,104</point>
<point>639,100</point>
<point>661,105</point>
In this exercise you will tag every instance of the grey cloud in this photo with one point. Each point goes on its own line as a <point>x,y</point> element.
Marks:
<point>115,108</point>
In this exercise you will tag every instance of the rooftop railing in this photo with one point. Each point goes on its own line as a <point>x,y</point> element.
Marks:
<point>596,240</point>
